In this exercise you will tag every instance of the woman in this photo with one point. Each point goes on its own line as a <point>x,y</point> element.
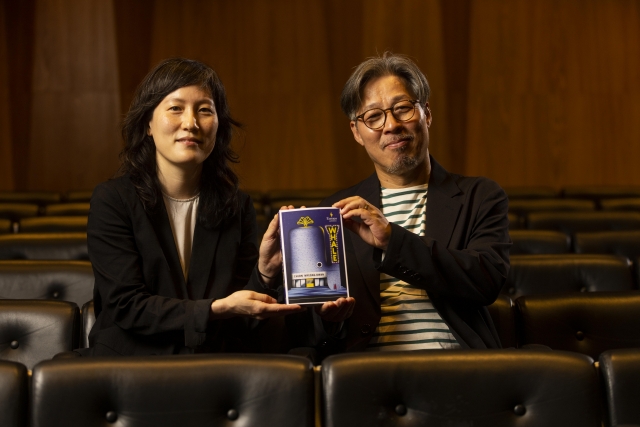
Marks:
<point>171,239</point>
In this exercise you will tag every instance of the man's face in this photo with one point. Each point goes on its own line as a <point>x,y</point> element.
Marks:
<point>398,147</point>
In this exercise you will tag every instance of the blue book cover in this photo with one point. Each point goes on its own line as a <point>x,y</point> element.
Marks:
<point>313,258</point>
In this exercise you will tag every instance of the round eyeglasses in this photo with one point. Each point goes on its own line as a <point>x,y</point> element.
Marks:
<point>375,118</point>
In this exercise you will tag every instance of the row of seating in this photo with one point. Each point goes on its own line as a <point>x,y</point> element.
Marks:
<point>44,198</point>
<point>436,388</point>
<point>587,323</point>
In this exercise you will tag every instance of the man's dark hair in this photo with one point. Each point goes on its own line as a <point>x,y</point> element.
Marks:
<point>388,65</point>
<point>218,182</point>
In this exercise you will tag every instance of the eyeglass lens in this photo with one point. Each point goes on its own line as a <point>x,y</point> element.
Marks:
<point>401,111</point>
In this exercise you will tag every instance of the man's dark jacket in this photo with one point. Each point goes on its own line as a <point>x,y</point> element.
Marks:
<point>462,262</point>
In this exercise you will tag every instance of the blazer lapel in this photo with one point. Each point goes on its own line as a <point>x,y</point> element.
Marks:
<point>162,227</point>
<point>205,244</point>
<point>370,191</point>
<point>443,207</point>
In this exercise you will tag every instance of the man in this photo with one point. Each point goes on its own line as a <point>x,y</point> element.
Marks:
<point>426,250</point>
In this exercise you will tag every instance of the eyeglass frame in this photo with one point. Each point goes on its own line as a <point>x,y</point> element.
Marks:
<point>384,111</point>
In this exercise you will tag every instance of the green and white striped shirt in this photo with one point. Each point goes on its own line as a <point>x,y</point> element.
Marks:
<point>409,321</point>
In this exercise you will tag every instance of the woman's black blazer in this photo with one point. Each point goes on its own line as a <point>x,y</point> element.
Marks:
<point>143,304</point>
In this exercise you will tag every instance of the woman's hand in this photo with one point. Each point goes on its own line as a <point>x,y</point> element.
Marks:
<point>270,261</point>
<point>336,311</point>
<point>250,304</point>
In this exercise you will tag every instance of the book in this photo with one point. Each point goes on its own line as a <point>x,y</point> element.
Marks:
<point>313,257</point>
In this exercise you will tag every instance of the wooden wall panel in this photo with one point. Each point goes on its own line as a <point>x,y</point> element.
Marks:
<point>6,156</point>
<point>75,104</point>
<point>554,92</point>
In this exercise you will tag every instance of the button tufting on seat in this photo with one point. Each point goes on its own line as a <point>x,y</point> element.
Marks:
<point>401,409</point>
<point>56,294</point>
<point>111,417</point>
<point>14,344</point>
<point>580,335</point>
<point>519,410</point>
<point>232,414</point>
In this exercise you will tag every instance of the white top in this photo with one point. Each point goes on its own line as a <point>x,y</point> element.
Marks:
<point>182,216</point>
<point>409,321</point>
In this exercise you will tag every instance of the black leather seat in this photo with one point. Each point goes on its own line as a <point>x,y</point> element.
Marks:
<point>601,192</point>
<point>17,211</point>
<point>535,242</point>
<point>55,280</point>
<point>515,222</point>
<point>67,209</point>
<point>626,204</point>
<point>194,390</point>
<point>13,394</point>
<point>53,224</point>
<point>88,319</point>
<point>78,196</point>
<point>517,193</point>
<point>460,388</point>
<point>621,380</point>
<point>525,206</point>
<point>6,226</point>
<point>38,197</point>
<point>549,274</point>
<point>588,323</point>
<point>44,246</point>
<point>575,222</point>
<point>36,330</point>
<point>502,313</point>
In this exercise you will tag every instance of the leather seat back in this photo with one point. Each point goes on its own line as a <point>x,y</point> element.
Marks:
<point>35,330</point>
<point>588,323</point>
<point>53,224</point>
<point>56,280</point>
<point>189,390</point>
<point>535,242</point>
<point>547,274</point>
<point>502,313</point>
<point>88,319</point>
<point>44,246</point>
<point>575,222</point>
<point>13,394</point>
<point>67,209</point>
<point>460,388</point>
<point>621,380</point>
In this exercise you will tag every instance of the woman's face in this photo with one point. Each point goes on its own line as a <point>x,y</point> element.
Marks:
<point>183,128</point>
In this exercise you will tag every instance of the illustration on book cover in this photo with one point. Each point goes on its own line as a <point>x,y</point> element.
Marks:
<point>313,255</point>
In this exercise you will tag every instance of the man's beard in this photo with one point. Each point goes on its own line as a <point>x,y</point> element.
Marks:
<point>403,163</point>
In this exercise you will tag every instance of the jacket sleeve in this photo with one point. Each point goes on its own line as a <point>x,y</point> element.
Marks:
<point>473,274</point>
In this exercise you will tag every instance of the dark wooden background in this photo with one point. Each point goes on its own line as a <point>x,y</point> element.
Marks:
<point>543,92</point>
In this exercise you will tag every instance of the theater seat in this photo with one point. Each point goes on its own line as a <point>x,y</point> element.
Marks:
<point>460,388</point>
<point>516,193</point>
<point>44,246</point>
<point>6,226</point>
<point>575,222</point>
<point>601,192</point>
<point>549,274</point>
<point>588,323</point>
<point>535,242</point>
<point>13,394</point>
<point>502,313</point>
<point>194,390</point>
<point>67,209</point>
<point>17,211</point>
<point>36,330</point>
<point>56,280</point>
<point>626,204</point>
<point>78,196</point>
<point>38,197</point>
<point>53,224</point>
<point>524,206</point>
<point>88,319</point>
<point>514,221</point>
<point>621,380</point>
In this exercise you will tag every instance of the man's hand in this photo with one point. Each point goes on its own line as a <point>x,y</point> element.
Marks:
<point>374,228</point>
<point>270,261</point>
<point>250,304</point>
<point>336,311</point>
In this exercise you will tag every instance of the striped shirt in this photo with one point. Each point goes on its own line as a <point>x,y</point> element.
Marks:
<point>409,321</point>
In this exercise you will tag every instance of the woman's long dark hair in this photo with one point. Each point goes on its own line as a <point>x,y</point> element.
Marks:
<point>218,182</point>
